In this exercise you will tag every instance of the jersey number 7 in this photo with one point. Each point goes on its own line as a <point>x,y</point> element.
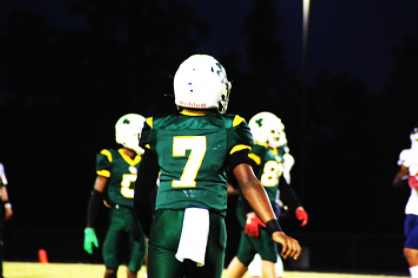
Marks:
<point>197,147</point>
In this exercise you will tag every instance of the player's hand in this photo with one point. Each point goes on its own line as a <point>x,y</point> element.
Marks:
<point>302,216</point>
<point>90,239</point>
<point>8,213</point>
<point>290,246</point>
<point>252,224</point>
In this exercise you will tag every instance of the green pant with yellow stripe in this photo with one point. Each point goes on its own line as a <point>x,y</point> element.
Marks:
<point>120,238</point>
<point>164,240</point>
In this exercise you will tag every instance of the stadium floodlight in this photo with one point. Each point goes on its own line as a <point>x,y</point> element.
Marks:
<point>304,91</point>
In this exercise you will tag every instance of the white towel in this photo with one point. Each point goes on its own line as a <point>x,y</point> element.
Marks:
<point>194,236</point>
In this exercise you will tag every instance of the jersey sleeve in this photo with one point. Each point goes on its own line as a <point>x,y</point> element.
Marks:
<point>104,163</point>
<point>243,139</point>
<point>147,140</point>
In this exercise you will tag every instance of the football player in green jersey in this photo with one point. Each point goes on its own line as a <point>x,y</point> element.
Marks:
<point>192,150</point>
<point>116,175</point>
<point>268,165</point>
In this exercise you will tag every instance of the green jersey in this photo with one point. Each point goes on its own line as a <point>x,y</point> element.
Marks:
<point>269,170</point>
<point>121,171</point>
<point>192,149</point>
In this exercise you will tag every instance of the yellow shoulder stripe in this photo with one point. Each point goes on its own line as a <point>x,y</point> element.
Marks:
<point>149,121</point>
<point>255,157</point>
<point>108,154</point>
<point>237,121</point>
<point>148,146</point>
<point>239,148</point>
<point>104,173</point>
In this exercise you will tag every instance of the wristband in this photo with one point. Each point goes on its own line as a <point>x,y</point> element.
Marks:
<point>273,226</point>
<point>7,205</point>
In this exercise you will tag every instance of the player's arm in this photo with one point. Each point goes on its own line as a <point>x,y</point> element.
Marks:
<point>95,201</point>
<point>144,188</point>
<point>256,196</point>
<point>6,202</point>
<point>289,197</point>
<point>401,177</point>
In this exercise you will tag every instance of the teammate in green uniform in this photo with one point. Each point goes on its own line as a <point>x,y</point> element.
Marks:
<point>268,166</point>
<point>192,150</point>
<point>116,175</point>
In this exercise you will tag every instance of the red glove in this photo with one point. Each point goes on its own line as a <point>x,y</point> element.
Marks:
<point>251,226</point>
<point>302,216</point>
<point>413,182</point>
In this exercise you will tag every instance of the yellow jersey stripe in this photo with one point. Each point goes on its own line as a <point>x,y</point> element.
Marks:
<point>237,121</point>
<point>149,121</point>
<point>262,144</point>
<point>194,113</point>
<point>104,173</point>
<point>129,160</point>
<point>255,157</point>
<point>239,148</point>
<point>108,154</point>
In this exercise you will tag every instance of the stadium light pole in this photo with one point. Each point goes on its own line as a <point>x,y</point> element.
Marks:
<point>304,92</point>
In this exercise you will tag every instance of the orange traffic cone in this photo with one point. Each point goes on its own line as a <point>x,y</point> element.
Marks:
<point>43,258</point>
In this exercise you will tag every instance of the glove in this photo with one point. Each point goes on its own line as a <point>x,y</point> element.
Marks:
<point>90,239</point>
<point>302,216</point>
<point>413,182</point>
<point>251,226</point>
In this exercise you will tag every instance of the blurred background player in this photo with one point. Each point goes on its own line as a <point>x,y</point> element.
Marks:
<point>6,214</point>
<point>268,165</point>
<point>116,175</point>
<point>192,149</point>
<point>408,160</point>
<point>289,204</point>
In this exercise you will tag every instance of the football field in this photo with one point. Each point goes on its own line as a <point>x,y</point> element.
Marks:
<point>61,270</point>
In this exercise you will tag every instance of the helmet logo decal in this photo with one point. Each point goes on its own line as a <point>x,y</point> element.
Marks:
<point>259,122</point>
<point>221,73</point>
<point>192,104</point>
<point>126,121</point>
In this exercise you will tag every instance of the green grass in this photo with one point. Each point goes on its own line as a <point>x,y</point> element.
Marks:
<point>61,270</point>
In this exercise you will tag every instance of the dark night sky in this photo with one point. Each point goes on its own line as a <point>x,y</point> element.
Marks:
<point>344,36</point>
<point>354,36</point>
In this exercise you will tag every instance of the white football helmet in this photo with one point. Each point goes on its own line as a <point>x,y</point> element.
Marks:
<point>201,82</point>
<point>128,131</point>
<point>267,128</point>
<point>414,138</point>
